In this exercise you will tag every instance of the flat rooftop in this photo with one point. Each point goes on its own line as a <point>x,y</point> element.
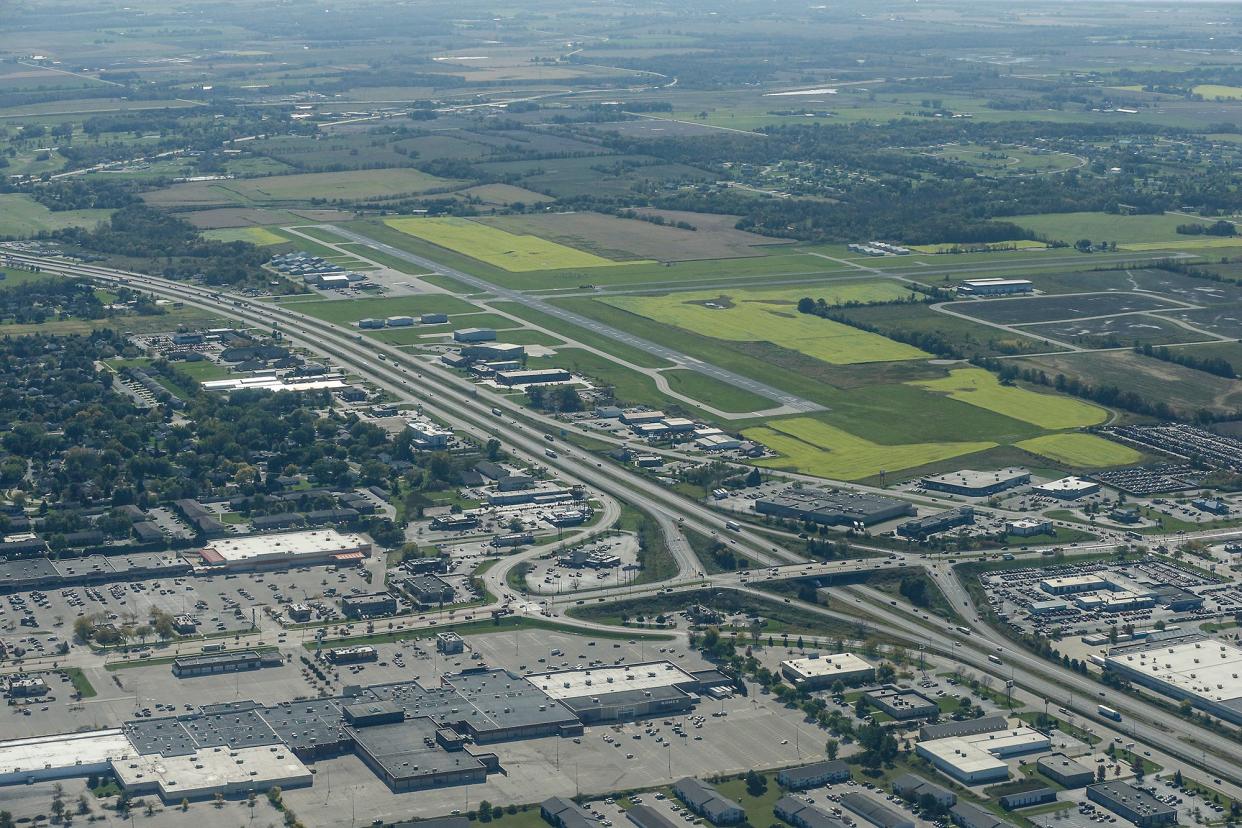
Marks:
<point>63,751</point>
<point>402,750</point>
<point>1067,484</point>
<point>827,665</point>
<point>975,479</point>
<point>248,547</point>
<point>570,684</point>
<point>1207,668</point>
<point>209,770</point>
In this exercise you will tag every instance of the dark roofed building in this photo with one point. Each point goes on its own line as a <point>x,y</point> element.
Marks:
<point>703,800</point>
<point>644,816</point>
<point>1132,803</point>
<point>803,815</point>
<point>832,507</point>
<point>965,815</point>
<point>970,727</point>
<point>913,788</point>
<point>814,774</point>
<point>560,812</point>
<point>879,815</point>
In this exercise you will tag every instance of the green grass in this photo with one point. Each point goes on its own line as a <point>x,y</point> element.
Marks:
<point>629,386</point>
<point>758,808</point>
<point>981,388</point>
<point>1212,91</point>
<point>346,312</point>
<point>508,622</point>
<point>1081,450</point>
<point>1098,227</point>
<point>629,353</point>
<point>21,215</point>
<point>771,316</point>
<point>497,247</point>
<point>715,393</point>
<point>81,684</point>
<point>260,236</point>
<point>814,447</point>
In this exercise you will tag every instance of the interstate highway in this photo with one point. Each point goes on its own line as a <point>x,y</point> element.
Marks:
<point>1028,671</point>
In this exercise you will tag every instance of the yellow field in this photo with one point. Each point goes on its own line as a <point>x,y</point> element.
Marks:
<point>517,254</point>
<point>813,447</point>
<point>255,235</point>
<point>981,388</point>
<point>1212,91</point>
<point>944,247</point>
<point>772,316</point>
<point>1081,450</point>
<point>1185,242</point>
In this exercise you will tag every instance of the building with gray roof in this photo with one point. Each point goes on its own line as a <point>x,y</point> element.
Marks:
<point>804,815</point>
<point>970,727</point>
<point>814,774</point>
<point>832,507</point>
<point>875,813</point>
<point>705,801</point>
<point>1133,803</point>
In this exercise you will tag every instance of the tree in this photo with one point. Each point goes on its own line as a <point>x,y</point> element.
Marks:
<point>753,478</point>
<point>832,748</point>
<point>485,811</point>
<point>756,783</point>
<point>185,804</point>
<point>1100,774</point>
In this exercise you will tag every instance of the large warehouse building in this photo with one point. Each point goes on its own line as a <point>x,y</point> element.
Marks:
<point>1199,669</point>
<point>981,757</point>
<point>833,507</point>
<point>613,694</point>
<point>319,546</point>
<point>820,672</point>
<point>973,483</point>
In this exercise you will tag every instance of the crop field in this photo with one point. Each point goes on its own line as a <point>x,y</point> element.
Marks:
<point>1116,331</point>
<point>770,316</point>
<point>300,188</point>
<point>810,446</point>
<point>981,388</point>
<point>515,253</point>
<point>621,238</point>
<point>1098,227</point>
<point>260,236</point>
<point>503,195</point>
<point>21,215</point>
<point>1081,450</point>
<point>1056,308</point>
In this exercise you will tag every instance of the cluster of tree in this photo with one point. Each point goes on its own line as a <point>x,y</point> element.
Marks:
<point>84,194</point>
<point>51,298</point>
<point>142,233</point>
<point>559,398</point>
<point>1219,228</point>
<point>1219,366</point>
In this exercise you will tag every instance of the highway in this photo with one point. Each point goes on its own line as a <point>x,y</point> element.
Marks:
<point>454,400</point>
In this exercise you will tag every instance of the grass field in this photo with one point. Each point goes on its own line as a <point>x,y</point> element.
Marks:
<point>771,316</point>
<point>715,393</point>
<point>1098,227</point>
<point>981,388</point>
<point>301,188</point>
<point>260,236</point>
<point>1212,91</point>
<point>945,247</point>
<point>21,215</point>
<point>1081,450</point>
<point>497,247</point>
<point>347,312</point>
<point>813,447</point>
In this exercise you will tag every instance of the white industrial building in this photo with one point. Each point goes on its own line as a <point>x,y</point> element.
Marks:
<point>207,771</point>
<point>1068,584</point>
<point>63,756</point>
<point>1067,488</point>
<point>818,672</point>
<point>994,287</point>
<point>980,757</point>
<point>1201,670</point>
<point>287,548</point>
<point>427,435</point>
<point>273,383</point>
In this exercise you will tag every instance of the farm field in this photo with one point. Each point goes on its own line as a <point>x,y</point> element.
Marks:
<point>981,388</point>
<point>1212,91</point>
<point>771,316</point>
<point>814,447</point>
<point>21,215</point>
<point>300,188</point>
<point>1098,227</point>
<point>624,238</point>
<point>1056,308</point>
<point>1081,450</point>
<point>512,252</point>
